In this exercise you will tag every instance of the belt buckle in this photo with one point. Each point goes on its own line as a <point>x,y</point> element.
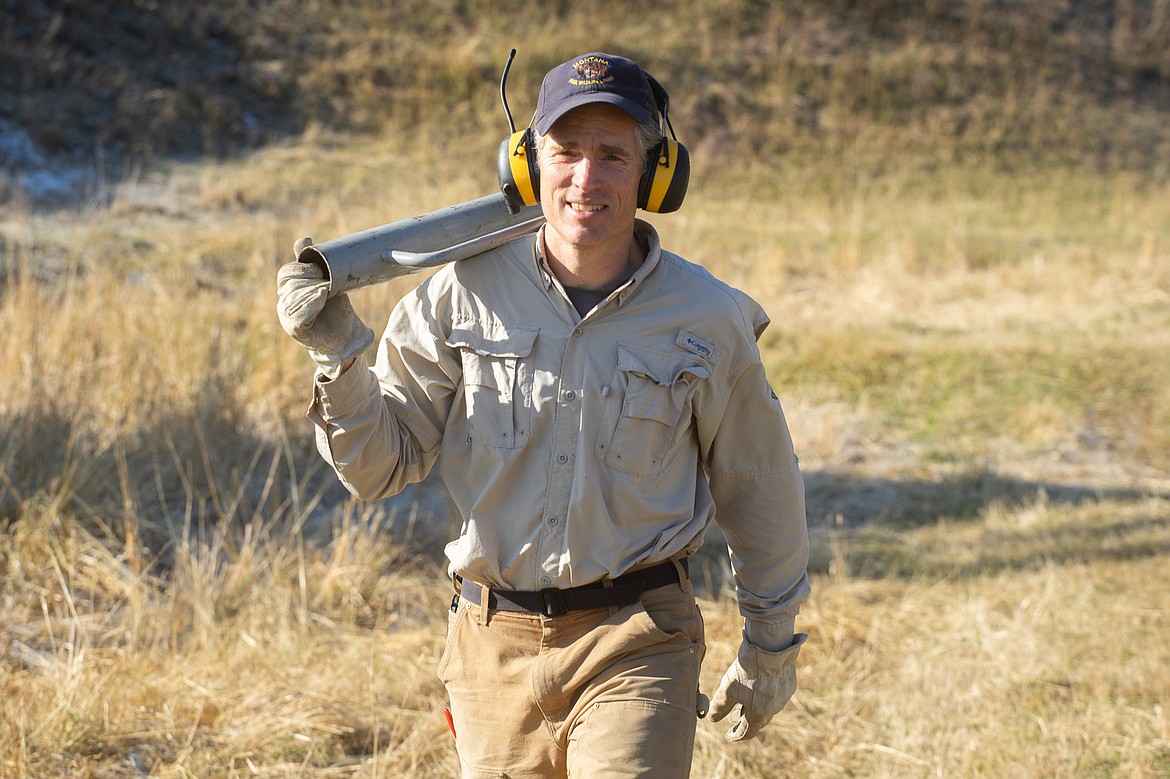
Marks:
<point>552,602</point>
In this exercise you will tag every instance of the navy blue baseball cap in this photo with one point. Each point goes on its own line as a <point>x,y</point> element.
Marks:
<point>594,78</point>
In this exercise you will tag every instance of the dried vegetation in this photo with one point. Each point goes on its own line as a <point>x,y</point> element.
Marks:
<point>956,213</point>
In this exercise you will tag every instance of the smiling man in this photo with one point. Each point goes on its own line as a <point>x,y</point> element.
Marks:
<point>593,403</point>
<point>590,167</point>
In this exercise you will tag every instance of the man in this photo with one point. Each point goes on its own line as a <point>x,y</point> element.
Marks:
<point>593,403</point>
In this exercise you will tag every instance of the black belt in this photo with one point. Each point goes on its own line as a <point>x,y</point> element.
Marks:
<point>552,602</point>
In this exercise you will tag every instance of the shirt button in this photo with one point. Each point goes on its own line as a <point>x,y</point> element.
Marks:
<point>570,395</point>
<point>546,581</point>
<point>553,520</point>
<point>562,458</point>
<point>576,331</point>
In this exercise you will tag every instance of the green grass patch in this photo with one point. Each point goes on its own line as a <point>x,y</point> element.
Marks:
<point>933,387</point>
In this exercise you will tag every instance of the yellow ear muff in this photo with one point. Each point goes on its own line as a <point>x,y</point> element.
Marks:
<point>664,184</point>
<point>517,171</point>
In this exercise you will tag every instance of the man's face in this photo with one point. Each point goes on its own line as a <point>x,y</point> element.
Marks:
<point>589,174</point>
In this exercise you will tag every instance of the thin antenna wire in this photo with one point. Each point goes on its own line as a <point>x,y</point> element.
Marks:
<point>504,93</point>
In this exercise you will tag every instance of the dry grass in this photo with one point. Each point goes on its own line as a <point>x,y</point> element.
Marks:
<point>255,656</point>
<point>273,658</point>
<point>187,593</point>
<point>968,270</point>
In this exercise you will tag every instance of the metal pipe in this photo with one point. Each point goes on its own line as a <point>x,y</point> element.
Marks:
<point>426,241</point>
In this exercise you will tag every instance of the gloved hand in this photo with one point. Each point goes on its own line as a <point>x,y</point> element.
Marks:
<point>328,327</point>
<point>760,683</point>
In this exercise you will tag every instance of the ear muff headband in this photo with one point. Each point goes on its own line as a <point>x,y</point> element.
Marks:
<point>664,184</point>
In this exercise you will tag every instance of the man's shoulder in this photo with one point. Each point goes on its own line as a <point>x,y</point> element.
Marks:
<point>487,268</point>
<point>694,272</point>
<point>714,297</point>
<point>498,285</point>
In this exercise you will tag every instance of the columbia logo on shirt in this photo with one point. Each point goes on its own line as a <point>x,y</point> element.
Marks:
<point>694,343</point>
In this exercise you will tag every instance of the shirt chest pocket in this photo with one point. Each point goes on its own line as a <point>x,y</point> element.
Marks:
<point>640,424</point>
<point>497,380</point>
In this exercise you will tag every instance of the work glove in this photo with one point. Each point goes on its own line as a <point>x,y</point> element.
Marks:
<point>328,327</point>
<point>760,683</point>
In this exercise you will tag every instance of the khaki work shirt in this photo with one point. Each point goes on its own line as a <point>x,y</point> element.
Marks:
<point>577,449</point>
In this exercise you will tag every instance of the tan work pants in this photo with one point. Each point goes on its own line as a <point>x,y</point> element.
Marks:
<point>587,695</point>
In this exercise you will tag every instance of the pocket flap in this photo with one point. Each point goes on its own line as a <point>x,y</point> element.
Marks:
<point>503,343</point>
<point>663,368</point>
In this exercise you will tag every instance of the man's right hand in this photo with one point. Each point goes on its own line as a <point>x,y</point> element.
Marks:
<point>328,327</point>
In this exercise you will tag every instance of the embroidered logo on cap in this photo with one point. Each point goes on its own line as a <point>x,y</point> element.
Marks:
<point>592,70</point>
<point>694,343</point>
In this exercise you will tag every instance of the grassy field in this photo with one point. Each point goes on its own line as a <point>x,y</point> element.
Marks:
<point>974,369</point>
<point>968,272</point>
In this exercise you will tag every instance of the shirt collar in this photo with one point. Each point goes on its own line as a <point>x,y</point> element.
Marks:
<point>646,234</point>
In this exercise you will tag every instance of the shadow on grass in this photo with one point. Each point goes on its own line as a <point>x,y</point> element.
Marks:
<point>868,524</point>
<point>848,501</point>
<point>200,471</point>
<point>204,469</point>
<point>876,552</point>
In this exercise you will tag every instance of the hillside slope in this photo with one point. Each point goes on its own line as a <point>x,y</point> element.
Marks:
<point>112,80</point>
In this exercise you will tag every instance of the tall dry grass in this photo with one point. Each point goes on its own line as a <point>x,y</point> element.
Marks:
<point>957,219</point>
<point>973,369</point>
<point>263,655</point>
